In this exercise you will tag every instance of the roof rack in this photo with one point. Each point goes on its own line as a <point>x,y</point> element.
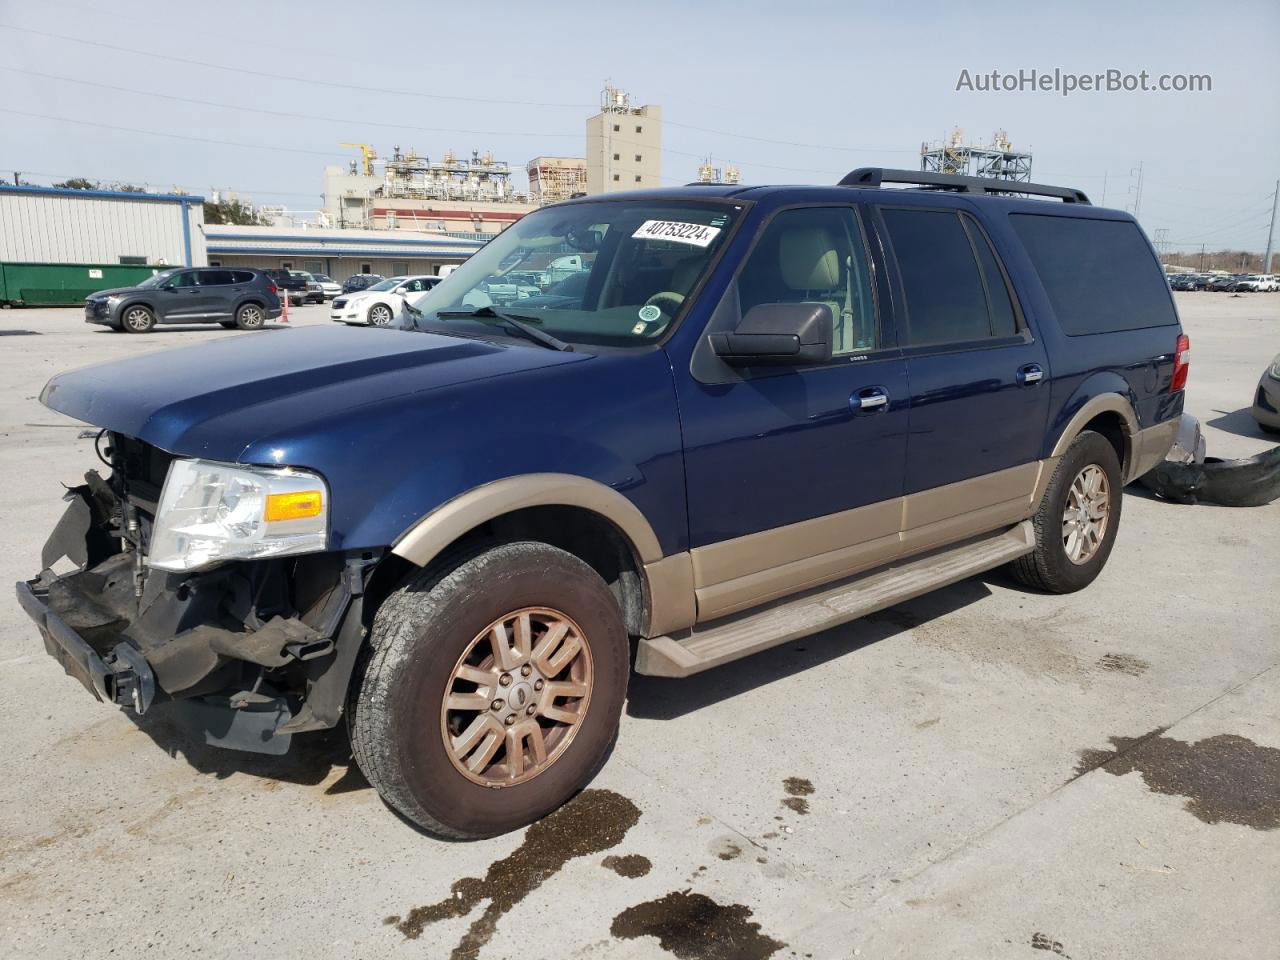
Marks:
<point>875,176</point>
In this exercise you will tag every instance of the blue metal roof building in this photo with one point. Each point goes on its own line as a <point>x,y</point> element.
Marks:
<point>336,253</point>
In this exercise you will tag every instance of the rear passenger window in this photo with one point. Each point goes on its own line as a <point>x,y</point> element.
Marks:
<point>950,297</point>
<point>215,278</point>
<point>815,255</point>
<point>1100,275</point>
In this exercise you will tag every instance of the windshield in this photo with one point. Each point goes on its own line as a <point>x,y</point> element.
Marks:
<point>613,272</point>
<point>156,279</point>
<point>386,284</point>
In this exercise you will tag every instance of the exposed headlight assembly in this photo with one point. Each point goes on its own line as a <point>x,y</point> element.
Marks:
<point>1274,370</point>
<point>210,512</point>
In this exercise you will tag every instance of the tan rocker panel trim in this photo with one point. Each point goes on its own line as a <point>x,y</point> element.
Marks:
<point>1150,446</point>
<point>733,575</point>
<point>422,542</point>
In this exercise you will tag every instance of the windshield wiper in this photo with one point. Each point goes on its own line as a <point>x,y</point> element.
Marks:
<point>513,320</point>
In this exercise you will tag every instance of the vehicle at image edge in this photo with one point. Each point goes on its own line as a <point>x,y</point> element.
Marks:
<point>766,411</point>
<point>1266,400</point>
<point>291,284</point>
<point>360,281</point>
<point>232,297</point>
<point>328,285</point>
<point>313,292</point>
<point>380,304</point>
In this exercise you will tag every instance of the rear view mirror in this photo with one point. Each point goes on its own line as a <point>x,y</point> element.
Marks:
<point>776,334</point>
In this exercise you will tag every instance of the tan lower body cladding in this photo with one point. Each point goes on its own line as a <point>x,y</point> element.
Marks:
<point>736,574</point>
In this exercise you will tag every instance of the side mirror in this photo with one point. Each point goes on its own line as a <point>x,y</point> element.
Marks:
<point>778,334</point>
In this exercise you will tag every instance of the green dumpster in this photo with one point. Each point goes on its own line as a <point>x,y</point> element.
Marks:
<point>64,284</point>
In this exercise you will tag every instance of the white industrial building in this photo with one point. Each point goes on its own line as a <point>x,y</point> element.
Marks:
<point>49,225</point>
<point>336,253</point>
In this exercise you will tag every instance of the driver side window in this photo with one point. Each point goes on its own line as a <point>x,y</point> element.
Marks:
<point>816,255</point>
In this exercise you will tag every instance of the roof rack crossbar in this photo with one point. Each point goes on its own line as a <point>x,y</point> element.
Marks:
<point>875,176</point>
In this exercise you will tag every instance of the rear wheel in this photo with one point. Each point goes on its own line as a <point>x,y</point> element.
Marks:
<point>138,319</point>
<point>250,317</point>
<point>492,689</point>
<point>380,315</point>
<point>1077,519</point>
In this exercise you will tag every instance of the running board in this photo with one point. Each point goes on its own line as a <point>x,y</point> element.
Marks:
<point>745,634</point>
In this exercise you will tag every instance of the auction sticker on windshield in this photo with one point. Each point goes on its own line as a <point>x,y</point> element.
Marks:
<point>695,234</point>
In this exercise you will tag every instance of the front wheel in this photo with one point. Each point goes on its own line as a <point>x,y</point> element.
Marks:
<point>138,319</point>
<point>380,315</point>
<point>492,689</point>
<point>1077,519</point>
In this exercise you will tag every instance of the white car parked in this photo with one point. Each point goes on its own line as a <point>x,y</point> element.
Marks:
<point>381,303</point>
<point>1258,283</point>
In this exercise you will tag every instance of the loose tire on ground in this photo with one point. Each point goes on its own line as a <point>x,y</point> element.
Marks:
<point>426,642</point>
<point>1049,567</point>
<point>250,316</point>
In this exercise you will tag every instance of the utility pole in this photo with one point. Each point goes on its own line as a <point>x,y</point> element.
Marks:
<point>1136,190</point>
<point>1202,258</point>
<point>18,183</point>
<point>1271,230</point>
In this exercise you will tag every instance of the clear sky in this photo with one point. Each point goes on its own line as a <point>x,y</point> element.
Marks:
<point>790,92</point>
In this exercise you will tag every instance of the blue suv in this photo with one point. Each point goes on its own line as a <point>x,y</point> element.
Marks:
<point>756,413</point>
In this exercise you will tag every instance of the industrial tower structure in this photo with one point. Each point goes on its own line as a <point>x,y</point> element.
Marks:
<point>624,145</point>
<point>997,159</point>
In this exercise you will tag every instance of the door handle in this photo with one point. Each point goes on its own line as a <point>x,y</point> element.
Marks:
<point>870,400</point>
<point>1030,374</point>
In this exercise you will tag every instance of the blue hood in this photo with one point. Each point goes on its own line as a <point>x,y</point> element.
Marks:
<point>215,399</point>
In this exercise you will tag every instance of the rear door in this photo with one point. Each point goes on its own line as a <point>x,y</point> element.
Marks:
<point>979,378</point>
<point>794,473</point>
<point>218,293</point>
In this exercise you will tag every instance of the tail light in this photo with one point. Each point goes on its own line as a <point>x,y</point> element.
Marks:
<point>271,285</point>
<point>1181,364</point>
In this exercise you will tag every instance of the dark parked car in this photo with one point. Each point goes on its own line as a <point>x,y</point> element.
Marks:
<point>360,281</point>
<point>768,411</point>
<point>232,297</point>
<point>291,284</point>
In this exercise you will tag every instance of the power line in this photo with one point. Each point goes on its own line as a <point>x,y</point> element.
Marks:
<point>245,71</point>
<point>278,113</point>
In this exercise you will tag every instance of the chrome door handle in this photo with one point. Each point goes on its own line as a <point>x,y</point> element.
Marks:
<point>870,399</point>
<point>1031,373</point>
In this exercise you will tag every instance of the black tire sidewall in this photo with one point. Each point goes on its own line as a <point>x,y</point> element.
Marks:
<point>1088,448</point>
<point>515,576</point>
<point>124,325</point>
<point>240,311</point>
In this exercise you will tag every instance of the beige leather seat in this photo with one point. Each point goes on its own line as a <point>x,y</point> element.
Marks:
<point>809,264</point>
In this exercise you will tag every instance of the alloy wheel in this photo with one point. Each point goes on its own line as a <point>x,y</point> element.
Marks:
<point>517,697</point>
<point>1086,514</point>
<point>137,318</point>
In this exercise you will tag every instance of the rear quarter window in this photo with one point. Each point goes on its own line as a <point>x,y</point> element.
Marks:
<point>1100,275</point>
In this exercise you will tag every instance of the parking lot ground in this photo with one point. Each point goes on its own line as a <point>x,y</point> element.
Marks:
<point>984,772</point>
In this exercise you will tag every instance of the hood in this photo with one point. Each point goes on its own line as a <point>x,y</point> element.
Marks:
<point>214,399</point>
<point>100,294</point>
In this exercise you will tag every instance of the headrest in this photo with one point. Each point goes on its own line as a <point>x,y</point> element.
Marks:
<point>808,259</point>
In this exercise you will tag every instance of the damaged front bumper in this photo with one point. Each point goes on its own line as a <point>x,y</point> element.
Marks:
<point>248,653</point>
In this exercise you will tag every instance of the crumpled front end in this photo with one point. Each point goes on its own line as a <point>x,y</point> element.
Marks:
<point>250,651</point>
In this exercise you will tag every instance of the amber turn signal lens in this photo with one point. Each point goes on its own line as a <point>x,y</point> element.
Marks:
<point>294,506</point>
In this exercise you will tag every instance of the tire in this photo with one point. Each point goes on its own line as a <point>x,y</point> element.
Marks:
<point>138,319</point>
<point>1050,567</point>
<point>438,623</point>
<point>380,315</point>
<point>250,316</point>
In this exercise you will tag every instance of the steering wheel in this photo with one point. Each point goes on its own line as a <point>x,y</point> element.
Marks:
<point>668,301</point>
